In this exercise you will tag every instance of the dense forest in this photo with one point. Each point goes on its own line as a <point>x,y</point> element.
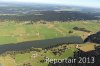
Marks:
<point>95,38</point>
<point>51,16</point>
<point>48,43</point>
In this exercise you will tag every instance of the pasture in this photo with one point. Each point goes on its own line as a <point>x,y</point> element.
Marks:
<point>12,32</point>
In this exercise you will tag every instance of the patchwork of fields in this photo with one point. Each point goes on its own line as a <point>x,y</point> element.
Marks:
<point>20,59</point>
<point>12,32</point>
<point>35,58</point>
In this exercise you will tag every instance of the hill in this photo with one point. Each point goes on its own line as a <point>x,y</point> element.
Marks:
<point>95,38</point>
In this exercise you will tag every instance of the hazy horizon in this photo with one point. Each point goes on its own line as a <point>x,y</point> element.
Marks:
<point>87,3</point>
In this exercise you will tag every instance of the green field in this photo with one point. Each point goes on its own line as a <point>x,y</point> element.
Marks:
<point>12,32</point>
<point>20,59</point>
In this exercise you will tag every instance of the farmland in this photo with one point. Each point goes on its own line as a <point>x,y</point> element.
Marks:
<point>12,32</point>
<point>21,59</point>
<point>30,33</point>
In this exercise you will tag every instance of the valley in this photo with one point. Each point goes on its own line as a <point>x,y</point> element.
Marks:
<point>30,33</point>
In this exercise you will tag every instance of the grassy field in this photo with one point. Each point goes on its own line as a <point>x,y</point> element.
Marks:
<point>11,32</point>
<point>7,61</point>
<point>20,59</point>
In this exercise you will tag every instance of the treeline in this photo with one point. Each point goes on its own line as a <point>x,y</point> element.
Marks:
<point>48,43</point>
<point>50,16</point>
<point>81,29</point>
<point>95,38</point>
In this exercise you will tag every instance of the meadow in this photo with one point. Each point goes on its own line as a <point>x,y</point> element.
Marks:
<point>14,32</point>
<point>37,60</point>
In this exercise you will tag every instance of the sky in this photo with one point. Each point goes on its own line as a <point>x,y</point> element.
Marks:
<point>89,3</point>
